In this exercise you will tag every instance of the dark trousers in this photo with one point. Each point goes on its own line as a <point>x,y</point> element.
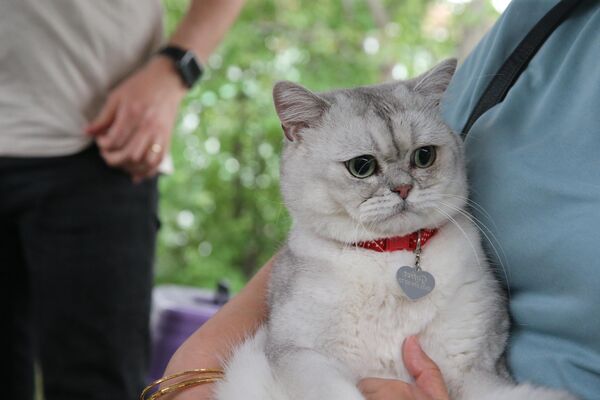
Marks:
<point>76,252</point>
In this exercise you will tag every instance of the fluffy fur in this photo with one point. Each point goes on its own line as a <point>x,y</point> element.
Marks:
<point>337,313</point>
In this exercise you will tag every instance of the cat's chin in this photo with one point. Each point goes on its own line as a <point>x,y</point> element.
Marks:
<point>352,231</point>
<point>395,230</point>
<point>401,223</point>
<point>347,228</point>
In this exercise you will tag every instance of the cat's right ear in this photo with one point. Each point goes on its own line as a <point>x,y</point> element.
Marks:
<point>297,107</point>
<point>434,82</point>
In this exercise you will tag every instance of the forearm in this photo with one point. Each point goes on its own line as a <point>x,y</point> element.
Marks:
<point>205,24</point>
<point>215,340</point>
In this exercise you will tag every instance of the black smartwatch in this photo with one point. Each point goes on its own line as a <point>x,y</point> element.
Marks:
<point>185,63</point>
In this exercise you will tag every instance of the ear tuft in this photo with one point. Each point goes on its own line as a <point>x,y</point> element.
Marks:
<point>435,81</point>
<point>297,108</point>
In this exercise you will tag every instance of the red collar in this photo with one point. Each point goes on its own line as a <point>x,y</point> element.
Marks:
<point>408,242</point>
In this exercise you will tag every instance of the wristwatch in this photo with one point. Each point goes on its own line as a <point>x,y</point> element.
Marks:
<point>185,62</point>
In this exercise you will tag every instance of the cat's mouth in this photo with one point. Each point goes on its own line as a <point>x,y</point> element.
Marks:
<point>401,207</point>
<point>397,210</point>
<point>385,212</point>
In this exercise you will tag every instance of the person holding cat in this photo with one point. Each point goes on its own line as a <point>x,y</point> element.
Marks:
<point>88,100</point>
<point>532,167</point>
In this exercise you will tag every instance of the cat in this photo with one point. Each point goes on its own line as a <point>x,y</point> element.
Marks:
<point>358,166</point>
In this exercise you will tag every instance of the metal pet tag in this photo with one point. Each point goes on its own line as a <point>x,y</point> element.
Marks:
<point>415,282</point>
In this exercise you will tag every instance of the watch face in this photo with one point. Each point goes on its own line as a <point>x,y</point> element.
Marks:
<point>189,68</point>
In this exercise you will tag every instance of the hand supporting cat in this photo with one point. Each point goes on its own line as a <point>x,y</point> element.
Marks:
<point>428,381</point>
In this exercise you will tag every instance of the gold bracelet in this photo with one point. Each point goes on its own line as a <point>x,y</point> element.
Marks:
<point>198,377</point>
<point>179,387</point>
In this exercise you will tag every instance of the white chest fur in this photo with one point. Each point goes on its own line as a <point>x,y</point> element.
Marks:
<point>347,303</point>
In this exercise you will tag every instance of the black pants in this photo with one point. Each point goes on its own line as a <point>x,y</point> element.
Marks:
<point>76,252</point>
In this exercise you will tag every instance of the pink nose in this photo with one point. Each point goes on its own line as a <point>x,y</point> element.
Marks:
<point>402,190</point>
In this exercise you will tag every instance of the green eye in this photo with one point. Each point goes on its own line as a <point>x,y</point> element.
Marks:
<point>362,166</point>
<point>423,157</point>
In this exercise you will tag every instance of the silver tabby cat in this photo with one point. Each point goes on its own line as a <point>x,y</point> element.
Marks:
<point>358,165</point>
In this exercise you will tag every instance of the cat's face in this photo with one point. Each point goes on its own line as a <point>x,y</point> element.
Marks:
<point>370,162</point>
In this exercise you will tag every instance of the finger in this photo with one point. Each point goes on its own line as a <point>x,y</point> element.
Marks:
<point>137,178</point>
<point>115,158</point>
<point>104,118</point>
<point>155,148</point>
<point>428,376</point>
<point>134,153</point>
<point>126,120</point>
<point>141,149</point>
<point>378,388</point>
<point>132,157</point>
<point>152,150</point>
<point>368,386</point>
<point>122,158</point>
<point>155,153</point>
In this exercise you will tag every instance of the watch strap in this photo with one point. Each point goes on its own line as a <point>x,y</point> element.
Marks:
<point>185,62</point>
<point>173,52</point>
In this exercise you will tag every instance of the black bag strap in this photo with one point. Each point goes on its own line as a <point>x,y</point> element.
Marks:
<point>516,63</point>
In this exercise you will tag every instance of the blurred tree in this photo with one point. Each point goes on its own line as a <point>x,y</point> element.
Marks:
<point>222,215</point>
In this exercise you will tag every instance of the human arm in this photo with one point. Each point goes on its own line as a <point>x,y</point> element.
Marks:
<point>429,383</point>
<point>214,341</point>
<point>140,112</point>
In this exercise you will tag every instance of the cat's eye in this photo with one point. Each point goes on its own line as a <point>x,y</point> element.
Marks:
<point>362,166</point>
<point>423,157</point>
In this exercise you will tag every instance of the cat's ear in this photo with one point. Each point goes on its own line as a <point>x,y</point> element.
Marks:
<point>434,82</point>
<point>297,108</point>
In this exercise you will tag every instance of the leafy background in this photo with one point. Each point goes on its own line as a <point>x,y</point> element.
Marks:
<point>222,215</point>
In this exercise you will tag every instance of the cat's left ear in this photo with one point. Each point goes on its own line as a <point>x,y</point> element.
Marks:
<point>434,82</point>
<point>297,107</point>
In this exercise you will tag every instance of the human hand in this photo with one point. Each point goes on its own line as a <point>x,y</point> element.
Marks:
<point>429,383</point>
<point>203,392</point>
<point>133,129</point>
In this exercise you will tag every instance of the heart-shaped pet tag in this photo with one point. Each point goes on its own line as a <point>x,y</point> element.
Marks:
<point>415,283</point>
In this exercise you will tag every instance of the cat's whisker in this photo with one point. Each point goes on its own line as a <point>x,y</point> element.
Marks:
<point>480,225</point>
<point>455,223</point>
<point>473,204</point>
<point>476,206</point>
<point>485,230</point>
<point>348,245</point>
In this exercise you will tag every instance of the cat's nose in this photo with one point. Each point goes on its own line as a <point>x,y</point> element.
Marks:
<point>402,190</point>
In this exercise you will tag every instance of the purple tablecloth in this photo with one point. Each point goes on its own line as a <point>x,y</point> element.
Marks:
<point>178,311</point>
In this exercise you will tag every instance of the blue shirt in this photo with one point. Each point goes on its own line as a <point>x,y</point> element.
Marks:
<point>534,167</point>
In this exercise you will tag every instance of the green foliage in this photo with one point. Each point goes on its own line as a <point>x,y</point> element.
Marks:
<point>221,210</point>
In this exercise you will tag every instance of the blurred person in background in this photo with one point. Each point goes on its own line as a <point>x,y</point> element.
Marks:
<point>88,99</point>
<point>533,169</point>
